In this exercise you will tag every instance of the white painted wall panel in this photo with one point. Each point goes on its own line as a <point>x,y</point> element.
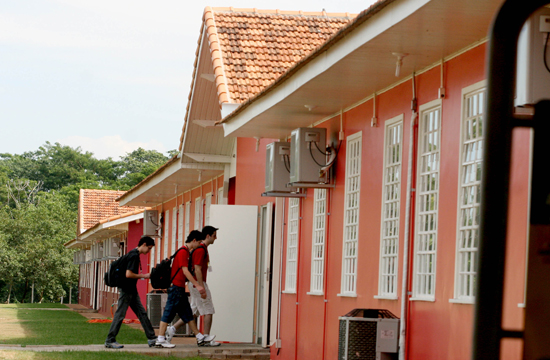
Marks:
<point>232,280</point>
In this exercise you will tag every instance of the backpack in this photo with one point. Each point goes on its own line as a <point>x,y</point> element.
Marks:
<point>116,275</point>
<point>160,274</point>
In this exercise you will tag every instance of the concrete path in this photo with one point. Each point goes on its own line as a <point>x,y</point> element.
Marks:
<point>185,346</point>
<point>225,351</point>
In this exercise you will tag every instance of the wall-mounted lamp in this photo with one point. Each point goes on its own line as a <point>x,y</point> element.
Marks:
<point>399,62</point>
<point>310,107</point>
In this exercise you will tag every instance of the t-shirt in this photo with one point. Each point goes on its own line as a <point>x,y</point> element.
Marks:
<point>181,260</point>
<point>133,264</point>
<point>200,257</point>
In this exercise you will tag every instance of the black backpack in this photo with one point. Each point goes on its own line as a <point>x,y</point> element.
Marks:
<point>160,274</point>
<point>116,275</point>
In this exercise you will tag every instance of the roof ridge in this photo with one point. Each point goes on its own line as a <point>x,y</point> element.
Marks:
<point>322,13</point>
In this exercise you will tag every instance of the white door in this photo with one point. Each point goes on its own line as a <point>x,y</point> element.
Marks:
<point>232,279</point>
<point>264,272</point>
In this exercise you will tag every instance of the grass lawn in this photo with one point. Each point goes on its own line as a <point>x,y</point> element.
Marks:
<point>32,324</point>
<point>79,355</point>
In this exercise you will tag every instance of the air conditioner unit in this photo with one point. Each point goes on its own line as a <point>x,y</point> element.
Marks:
<point>307,147</point>
<point>150,223</point>
<point>532,77</point>
<point>155,307</point>
<point>277,167</point>
<point>111,248</point>
<point>368,334</point>
<point>97,251</point>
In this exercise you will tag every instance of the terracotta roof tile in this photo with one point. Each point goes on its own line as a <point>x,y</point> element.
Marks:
<point>96,206</point>
<point>263,44</point>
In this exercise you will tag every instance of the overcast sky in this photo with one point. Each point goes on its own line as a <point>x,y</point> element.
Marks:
<point>106,75</point>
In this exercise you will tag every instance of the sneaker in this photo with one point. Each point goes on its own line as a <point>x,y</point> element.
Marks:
<point>211,343</point>
<point>203,340</point>
<point>170,332</point>
<point>113,345</point>
<point>164,344</point>
<point>152,342</point>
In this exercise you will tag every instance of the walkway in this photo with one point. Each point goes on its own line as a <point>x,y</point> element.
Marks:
<point>185,346</point>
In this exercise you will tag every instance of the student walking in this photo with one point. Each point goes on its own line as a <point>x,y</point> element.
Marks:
<point>129,297</point>
<point>177,302</point>
<point>200,262</point>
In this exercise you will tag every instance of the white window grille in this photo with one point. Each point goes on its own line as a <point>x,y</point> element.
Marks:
<point>174,229</point>
<point>165,235</point>
<point>470,191</point>
<point>180,226</point>
<point>318,242</point>
<point>351,214</point>
<point>427,198</point>
<point>389,242</point>
<point>220,195</point>
<point>187,219</point>
<point>159,242</point>
<point>198,213</point>
<point>152,257</point>
<point>207,203</point>
<point>292,244</point>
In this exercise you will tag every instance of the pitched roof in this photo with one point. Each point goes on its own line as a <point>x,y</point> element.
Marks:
<point>95,206</point>
<point>333,39</point>
<point>251,48</point>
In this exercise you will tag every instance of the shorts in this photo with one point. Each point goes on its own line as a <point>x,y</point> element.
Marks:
<point>177,303</point>
<point>201,306</point>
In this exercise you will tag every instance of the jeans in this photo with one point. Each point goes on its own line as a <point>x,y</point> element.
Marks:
<point>177,303</point>
<point>132,300</point>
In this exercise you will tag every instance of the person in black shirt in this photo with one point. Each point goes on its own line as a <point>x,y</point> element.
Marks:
<point>128,296</point>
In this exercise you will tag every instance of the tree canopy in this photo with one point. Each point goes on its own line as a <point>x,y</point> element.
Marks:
<point>39,193</point>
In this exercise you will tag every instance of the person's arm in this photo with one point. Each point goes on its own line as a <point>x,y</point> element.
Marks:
<point>132,275</point>
<point>198,274</point>
<point>195,283</point>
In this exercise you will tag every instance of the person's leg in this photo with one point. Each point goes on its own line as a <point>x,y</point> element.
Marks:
<point>122,307</point>
<point>139,310</point>
<point>207,323</point>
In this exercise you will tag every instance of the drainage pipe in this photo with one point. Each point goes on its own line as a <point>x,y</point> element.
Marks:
<point>409,212</point>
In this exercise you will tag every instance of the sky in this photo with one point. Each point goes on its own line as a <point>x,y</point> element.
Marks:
<point>107,76</point>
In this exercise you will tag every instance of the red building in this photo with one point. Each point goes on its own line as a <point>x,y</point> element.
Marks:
<point>400,90</point>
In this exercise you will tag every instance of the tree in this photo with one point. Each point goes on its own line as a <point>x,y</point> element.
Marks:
<point>32,234</point>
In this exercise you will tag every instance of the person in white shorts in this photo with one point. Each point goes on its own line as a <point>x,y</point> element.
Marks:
<point>200,262</point>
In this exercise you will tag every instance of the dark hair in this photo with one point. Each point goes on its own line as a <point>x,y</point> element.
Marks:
<point>195,235</point>
<point>147,240</point>
<point>209,230</point>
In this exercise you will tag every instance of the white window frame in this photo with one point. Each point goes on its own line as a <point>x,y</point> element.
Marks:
<point>207,203</point>
<point>220,195</point>
<point>465,278</point>
<point>159,242</point>
<point>180,226</point>
<point>424,270</point>
<point>187,219</point>
<point>165,235</point>
<point>198,213</point>
<point>174,229</point>
<point>152,258</point>
<point>318,242</point>
<point>292,245</point>
<point>391,208</point>
<point>350,239</point>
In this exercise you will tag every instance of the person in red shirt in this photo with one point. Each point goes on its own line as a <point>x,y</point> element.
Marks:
<point>177,302</point>
<point>200,261</point>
